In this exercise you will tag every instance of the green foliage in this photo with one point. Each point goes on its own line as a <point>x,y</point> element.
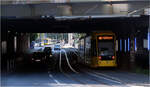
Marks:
<point>33,36</point>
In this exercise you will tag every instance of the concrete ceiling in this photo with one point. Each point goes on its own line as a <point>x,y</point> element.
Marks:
<point>82,25</point>
<point>75,9</point>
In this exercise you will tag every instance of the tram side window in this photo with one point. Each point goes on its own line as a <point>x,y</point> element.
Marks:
<point>81,46</point>
<point>45,41</point>
<point>94,48</point>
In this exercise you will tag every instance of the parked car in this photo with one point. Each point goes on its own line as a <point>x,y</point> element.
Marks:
<point>57,47</point>
<point>37,44</point>
<point>48,51</point>
<point>67,46</point>
<point>38,57</point>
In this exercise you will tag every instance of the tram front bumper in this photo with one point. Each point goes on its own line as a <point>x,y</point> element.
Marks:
<point>107,63</point>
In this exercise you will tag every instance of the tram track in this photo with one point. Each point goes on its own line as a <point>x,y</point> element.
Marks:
<point>117,81</point>
<point>110,78</point>
<point>103,76</point>
<point>107,77</point>
<point>68,75</point>
<point>87,77</point>
<point>77,73</point>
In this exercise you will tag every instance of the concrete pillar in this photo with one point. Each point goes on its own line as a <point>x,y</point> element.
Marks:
<point>10,51</point>
<point>132,51</point>
<point>23,42</point>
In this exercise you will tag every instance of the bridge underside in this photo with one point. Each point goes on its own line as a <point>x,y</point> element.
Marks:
<point>124,27</point>
<point>79,25</point>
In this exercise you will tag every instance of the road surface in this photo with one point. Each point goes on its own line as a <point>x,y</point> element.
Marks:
<point>41,76</point>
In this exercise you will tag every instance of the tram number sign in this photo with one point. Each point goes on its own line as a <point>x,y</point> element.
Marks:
<point>105,38</point>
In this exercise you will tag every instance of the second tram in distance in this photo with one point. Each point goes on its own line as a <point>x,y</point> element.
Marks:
<point>98,50</point>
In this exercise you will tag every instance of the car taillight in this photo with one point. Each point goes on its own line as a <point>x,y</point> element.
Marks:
<point>113,57</point>
<point>100,57</point>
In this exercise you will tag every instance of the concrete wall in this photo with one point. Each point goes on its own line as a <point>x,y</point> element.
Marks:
<point>71,8</point>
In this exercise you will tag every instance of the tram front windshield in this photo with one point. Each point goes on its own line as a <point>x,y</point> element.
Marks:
<point>45,41</point>
<point>106,45</point>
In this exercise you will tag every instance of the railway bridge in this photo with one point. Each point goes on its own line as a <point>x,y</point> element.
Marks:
<point>130,24</point>
<point>131,32</point>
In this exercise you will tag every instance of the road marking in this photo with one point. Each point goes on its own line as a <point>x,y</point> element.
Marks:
<point>115,78</point>
<point>108,76</point>
<point>50,76</point>
<point>103,78</point>
<point>56,81</point>
<point>118,80</point>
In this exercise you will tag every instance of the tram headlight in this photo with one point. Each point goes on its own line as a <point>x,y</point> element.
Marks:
<point>113,57</point>
<point>100,57</point>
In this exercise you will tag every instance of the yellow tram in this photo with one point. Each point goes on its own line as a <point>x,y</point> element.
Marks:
<point>98,49</point>
<point>47,41</point>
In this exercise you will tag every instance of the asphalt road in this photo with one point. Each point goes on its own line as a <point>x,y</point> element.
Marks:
<point>85,77</point>
<point>41,76</point>
<point>67,78</point>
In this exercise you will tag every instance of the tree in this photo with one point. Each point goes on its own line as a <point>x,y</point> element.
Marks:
<point>33,36</point>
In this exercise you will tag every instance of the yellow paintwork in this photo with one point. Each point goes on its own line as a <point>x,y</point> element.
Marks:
<point>108,63</point>
<point>48,41</point>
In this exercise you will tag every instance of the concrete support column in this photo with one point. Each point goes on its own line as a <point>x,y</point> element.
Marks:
<point>10,51</point>
<point>23,42</point>
<point>132,51</point>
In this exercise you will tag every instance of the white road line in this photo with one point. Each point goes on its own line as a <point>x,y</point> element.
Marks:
<point>114,78</point>
<point>50,75</point>
<point>60,84</point>
<point>107,76</point>
<point>103,78</point>
<point>118,80</point>
<point>56,81</point>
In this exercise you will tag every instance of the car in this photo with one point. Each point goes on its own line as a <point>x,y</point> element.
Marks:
<point>57,47</point>
<point>67,46</point>
<point>37,44</point>
<point>48,51</point>
<point>38,57</point>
